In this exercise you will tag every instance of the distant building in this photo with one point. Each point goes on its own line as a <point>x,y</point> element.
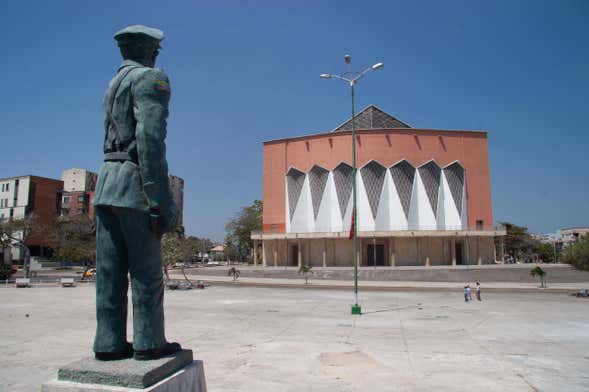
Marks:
<point>548,238</point>
<point>79,186</point>
<point>177,188</point>
<point>217,252</point>
<point>571,235</point>
<point>423,197</point>
<point>26,195</point>
<point>78,192</point>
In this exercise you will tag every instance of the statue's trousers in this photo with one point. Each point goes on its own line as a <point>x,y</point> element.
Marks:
<point>125,244</point>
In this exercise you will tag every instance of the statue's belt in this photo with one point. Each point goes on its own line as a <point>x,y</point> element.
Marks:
<point>117,156</point>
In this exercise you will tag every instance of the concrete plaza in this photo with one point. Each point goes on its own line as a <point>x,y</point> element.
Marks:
<point>273,339</point>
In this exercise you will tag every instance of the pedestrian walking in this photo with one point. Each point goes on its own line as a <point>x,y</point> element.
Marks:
<point>469,291</point>
<point>478,293</point>
<point>466,289</point>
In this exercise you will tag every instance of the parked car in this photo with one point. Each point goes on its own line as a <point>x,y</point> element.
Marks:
<point>90,274</point>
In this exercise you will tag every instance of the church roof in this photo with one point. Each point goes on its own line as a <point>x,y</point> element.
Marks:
<point>372,117</point>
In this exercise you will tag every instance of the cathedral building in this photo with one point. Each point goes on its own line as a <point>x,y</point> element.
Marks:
<point>423,197</point>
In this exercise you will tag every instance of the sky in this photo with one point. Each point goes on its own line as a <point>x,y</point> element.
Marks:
<point>243,72</point>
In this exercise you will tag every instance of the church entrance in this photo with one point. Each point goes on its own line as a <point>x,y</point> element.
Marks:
<point>375,255</point>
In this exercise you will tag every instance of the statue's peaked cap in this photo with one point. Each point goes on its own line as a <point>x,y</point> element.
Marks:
<point>139,31</point>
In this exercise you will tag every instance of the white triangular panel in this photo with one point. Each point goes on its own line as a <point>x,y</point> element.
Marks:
<point>303,219</point>
<point>288,230</point>
<point>451,218</point>
<point>413,218</point>
<point>347,221</point>
<point>441,213</point>
<point>398,220</point>
<point>464,217</point>
<point>421,215</point>
<point>364,219</point>
<point>329,217</point>
<point>382,222</point>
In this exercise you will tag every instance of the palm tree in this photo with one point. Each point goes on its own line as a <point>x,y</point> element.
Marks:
<point>305,270</point>
<point>539,272</point>
<point>233,272</point>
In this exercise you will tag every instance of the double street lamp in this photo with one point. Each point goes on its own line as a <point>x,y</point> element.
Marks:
<point>352,78</point>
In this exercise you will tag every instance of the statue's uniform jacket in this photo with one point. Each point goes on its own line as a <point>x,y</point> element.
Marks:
<point>128,192</point>
<point>140,109</point>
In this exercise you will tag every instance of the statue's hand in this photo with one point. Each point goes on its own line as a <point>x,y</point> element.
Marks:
<point>168,221</point>
<point>155,223</point>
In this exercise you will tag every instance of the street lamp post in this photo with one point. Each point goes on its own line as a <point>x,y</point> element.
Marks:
<point>352,78</point>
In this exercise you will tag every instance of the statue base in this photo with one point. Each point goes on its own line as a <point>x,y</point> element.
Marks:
<point>174,373</point>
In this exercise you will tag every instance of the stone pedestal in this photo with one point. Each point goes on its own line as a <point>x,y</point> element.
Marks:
<point>174,373</point>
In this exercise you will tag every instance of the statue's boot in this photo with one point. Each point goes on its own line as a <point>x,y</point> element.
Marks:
<point>113,356</point>
<point>156,353</point>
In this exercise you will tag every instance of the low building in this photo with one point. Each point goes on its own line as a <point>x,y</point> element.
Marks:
<point>217,252</point>
<point>572,234</point>
<point>24,196</point>
<point>423,197</point>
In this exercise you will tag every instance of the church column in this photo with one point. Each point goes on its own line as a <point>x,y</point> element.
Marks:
<point>467,246</point>
<point>453,251</point>
<point>393,251</point>
<point>427,258</point>
<point>324,252</point>
<point>479,258</point>
<point>299,254</point>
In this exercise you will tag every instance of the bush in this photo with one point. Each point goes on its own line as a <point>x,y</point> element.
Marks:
<point>5,271</point>
<point>577,254</point>
<point>305,270</point>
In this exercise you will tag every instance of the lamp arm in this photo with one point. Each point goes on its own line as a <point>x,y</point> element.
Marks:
<point>361,74</point>
<point>341,78</point>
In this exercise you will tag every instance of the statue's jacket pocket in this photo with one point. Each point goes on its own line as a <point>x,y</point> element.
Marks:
<point>120,185</point>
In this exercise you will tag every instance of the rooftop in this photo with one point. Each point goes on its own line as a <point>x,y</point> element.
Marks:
<point>372,117</point>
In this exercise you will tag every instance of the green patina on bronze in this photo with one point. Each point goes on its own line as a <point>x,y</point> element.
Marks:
<point>133,201</point>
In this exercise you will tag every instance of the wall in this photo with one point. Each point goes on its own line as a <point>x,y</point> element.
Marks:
<point>77,180</point>
<point>177,189</point>
<point>46,195</point>
<point>385,146</point>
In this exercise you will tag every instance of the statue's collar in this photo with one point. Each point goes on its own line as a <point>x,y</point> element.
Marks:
<point>128,63</point>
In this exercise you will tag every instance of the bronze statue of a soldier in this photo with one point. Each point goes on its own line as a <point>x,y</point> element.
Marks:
<point>133,203</point>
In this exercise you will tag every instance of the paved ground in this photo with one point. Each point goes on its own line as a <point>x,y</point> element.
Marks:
<point>262,339</point>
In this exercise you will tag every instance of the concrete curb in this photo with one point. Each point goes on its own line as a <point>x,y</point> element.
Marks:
<point>383,287</point>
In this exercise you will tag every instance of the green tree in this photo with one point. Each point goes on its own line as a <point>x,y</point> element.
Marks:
<point>238,238</point>
<point>545,252</point>
<point>74,239</point>
<point>517,240</point>
<point>539,272</point>
<point>196,245</point>
<point>521,246</point>
<point>16,233</point>
<point>577,254</point>
<point>174,250</point>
